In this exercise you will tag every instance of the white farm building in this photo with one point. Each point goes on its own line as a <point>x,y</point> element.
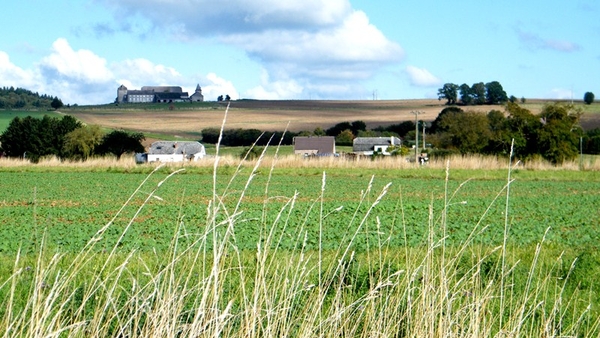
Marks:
<point>175,151</point>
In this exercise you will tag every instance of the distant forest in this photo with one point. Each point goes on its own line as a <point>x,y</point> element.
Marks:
<point>19,98</point>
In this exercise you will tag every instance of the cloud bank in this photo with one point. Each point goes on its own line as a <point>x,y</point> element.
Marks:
<point>300,45</point>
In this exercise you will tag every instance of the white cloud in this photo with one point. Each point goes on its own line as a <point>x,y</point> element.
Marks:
<point>12,75</point>
<point>421,77</point>
<point>274,90</point>
<point>82,65</point>
<point>213,86</point>
<point>207,18</point>
<point>299,43</point>
<point>141,72</point>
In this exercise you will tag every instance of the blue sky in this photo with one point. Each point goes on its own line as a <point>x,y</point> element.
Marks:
<point>82,50</point>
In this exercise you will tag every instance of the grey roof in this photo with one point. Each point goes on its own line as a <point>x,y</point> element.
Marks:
<point>323,144</point>
<point>171,96</point>
<point>175,147</point>
<point>369,143</point>
<point>163,89</point>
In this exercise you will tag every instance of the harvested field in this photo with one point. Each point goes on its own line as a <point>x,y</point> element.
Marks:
<point>264,115</point>
<point>187,120</point>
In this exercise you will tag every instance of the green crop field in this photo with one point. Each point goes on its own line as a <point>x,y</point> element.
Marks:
<point>71,206</point>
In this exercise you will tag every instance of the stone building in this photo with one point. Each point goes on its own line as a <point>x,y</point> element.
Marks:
<point>149,94</point>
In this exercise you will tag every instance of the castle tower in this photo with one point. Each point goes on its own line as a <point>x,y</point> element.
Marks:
<point>121,93</point>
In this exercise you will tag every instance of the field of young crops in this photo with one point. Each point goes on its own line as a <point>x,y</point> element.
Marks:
<point>298,252</point>
<point>69,207</point>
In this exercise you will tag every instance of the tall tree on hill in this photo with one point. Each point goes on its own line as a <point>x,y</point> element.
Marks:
<point>478,93</point>
<point>466,97</point>
<point>449,92</point>
<point>494,93</point>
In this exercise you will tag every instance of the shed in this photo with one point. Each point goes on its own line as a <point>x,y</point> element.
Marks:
<point>369,145</point>
<point>314,145</point>
<point>176,151</point>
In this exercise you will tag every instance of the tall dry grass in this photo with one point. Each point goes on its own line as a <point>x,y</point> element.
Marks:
<point>475,162</point>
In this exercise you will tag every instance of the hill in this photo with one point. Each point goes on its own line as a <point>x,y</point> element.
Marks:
<point>188,119</point>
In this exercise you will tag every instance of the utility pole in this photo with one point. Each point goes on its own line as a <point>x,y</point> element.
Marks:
<point>416,113</point>
<point>424,135</point>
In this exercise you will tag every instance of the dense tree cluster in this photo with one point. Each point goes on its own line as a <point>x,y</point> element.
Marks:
<point>553,134</point>
<point>476,94</point>
<point>19,98</point>
<point>65,138</point>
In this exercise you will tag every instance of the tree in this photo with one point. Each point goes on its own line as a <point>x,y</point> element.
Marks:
<point>344,138</point>
<point>119,142</point>
<point>358,126</point>
<point>81,142</point>
<point>478,93</point>
<point>523,127</point>
<point>338,128</point>
<point>465,94</point>
<point>56,103</point>
<point>558,138</point>
<point>494,93</point>
<point>467,131</point>
<point>497,125</point>
<point>21,138</point>
<point>588,97</point>
<point>400,129</point>
<point>449,92</point>
<point>319,131</point>
<point>435,125</point>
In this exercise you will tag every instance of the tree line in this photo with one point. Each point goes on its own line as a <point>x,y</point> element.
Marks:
<point>20,98</point>
<point>476,94</point>
<point>66,138</point>
<point>554,134</point>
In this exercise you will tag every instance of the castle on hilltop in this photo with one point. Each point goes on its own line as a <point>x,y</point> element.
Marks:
<point>149,94</point>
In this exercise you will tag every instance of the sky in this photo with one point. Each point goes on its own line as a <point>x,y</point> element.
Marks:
<point>83,50</point>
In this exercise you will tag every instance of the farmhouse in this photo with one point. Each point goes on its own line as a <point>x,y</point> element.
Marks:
<point>314,145</point>
<point>175,151</point>
<point>369,145</point>
<point>150,94</point>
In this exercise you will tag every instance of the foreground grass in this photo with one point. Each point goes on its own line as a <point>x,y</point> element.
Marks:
<point>213,288</point>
